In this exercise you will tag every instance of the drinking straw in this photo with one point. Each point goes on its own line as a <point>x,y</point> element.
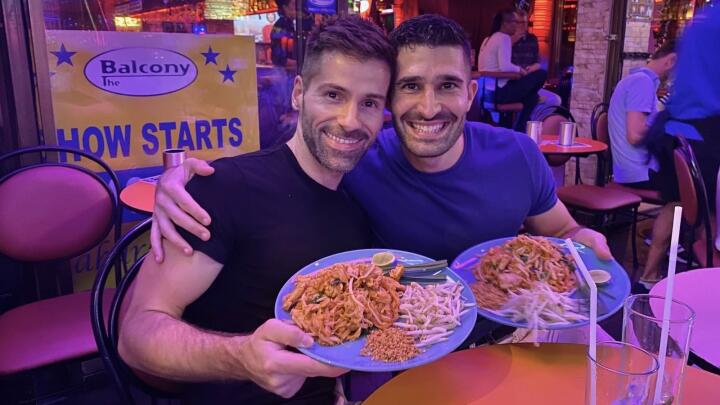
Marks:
<point>668,301</point>
<point>593,314</point>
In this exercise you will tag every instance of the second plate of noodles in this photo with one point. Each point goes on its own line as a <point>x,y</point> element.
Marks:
<point>531,282</point>
<point>342,298</point>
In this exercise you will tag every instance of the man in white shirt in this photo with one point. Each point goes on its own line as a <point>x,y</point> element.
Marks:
<point>495,56</point>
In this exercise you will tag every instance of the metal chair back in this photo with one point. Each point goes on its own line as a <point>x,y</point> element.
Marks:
<point>106,332</point>
<point>693,195</point>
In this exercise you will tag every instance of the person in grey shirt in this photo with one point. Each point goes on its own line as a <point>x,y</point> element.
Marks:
<point>632,105</point>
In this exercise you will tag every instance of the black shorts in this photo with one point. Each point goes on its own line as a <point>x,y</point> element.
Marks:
<point>652,183</point>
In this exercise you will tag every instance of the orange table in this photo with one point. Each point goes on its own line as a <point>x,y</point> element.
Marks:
<point>583,146</point>
<point>515,374</point>
<point>140,196</point>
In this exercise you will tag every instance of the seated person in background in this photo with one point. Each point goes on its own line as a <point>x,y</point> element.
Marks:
<point>495,56</point>
<point>632,104</point>
<point>282,36</point>
<point>526,54</point>
<point>694,110</point>
<point>207,317</point>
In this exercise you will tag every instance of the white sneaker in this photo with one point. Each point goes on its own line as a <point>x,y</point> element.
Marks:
<point>647,285</point>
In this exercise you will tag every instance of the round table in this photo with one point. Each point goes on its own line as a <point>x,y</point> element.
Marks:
<point>515,374</point>
<point>696,288</point>
<point>140,196</point>
<point>582,146</point>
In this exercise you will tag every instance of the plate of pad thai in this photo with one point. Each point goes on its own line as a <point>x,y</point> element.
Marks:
<point>395,311</point>
<point>532,282</point>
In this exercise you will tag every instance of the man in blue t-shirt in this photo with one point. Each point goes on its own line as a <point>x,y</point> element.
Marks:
<point>632,105</point>
<point>434,185</point>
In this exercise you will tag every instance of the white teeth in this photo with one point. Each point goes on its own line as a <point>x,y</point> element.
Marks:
<point>345,141</point>
<point>427,129</point>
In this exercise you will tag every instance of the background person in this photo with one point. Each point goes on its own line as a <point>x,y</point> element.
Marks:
<point>632,105</point>
<point>526,54</point>
<point>495,56</point>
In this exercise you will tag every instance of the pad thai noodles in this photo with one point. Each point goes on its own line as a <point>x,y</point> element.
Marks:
<point>338,303</point>
<point>519,264</point>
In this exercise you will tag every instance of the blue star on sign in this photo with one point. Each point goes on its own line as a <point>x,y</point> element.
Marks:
<point>228,74</point>
<point>63,56</point>
<point>210,56</point>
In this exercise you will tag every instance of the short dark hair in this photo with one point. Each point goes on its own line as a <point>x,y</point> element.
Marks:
<point>430,30</point>
<point>501,17</point>
<point>664,50</point>
<point>351,36</point>
<point>281,6</point>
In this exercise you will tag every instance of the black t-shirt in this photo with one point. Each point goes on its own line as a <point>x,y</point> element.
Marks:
<point>269,219</point>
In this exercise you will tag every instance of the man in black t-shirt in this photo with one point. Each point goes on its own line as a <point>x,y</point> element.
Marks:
<point>526,54</point>
<point>208,316</point>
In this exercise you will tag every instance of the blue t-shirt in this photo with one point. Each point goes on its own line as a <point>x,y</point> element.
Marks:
<point>636,92</point>
<point>500,179</point>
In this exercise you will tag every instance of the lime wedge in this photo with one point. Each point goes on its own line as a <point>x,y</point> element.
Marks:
<point>383,259</point>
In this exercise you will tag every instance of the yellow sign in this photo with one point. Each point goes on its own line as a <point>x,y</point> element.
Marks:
<point>127,96</point>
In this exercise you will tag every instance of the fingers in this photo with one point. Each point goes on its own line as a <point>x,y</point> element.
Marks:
<point>156,242</point>
<point>197,214</point>
<point>602,250</point>
<point>300,364</point>
<point>198,166</point>
<point>600,246</point>
<point>596,241</point>
<point>180,218</point>
<point>284,386</point>
<point>285,334</point>
<point>167,229</point>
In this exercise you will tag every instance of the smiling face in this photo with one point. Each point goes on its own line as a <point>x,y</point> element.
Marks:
<point>430,98</point>
<point>341,108</point>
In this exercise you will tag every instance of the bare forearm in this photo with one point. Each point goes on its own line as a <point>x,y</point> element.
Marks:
<point>158,344</point>
<point>557,222</point>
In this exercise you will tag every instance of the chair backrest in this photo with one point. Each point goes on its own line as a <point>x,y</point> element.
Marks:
<point>599,132</point>
<point>551,126</point>
<point>693,195</point>
<point>106,332</point>
<point>54,210</point>
<point>686,186</point>
<point>486,90</point>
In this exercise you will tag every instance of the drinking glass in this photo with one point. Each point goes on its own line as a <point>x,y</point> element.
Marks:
<point>623,374</point>
<point>173,157</point>
<point>534,130</point>
<point>567,133</point>
<point>642,323</point>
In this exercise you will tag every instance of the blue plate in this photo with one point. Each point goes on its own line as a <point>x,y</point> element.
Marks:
<point>347,355</point>
<point>611,296</point>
